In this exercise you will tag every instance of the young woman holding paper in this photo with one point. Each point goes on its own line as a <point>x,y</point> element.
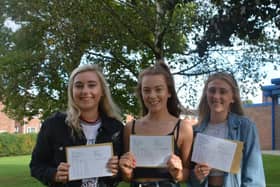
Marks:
<point>221,115</point>
<point>160,117</point>
<point>91,118</point>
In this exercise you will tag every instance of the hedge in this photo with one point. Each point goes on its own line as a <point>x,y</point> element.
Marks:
<point>16,144</point>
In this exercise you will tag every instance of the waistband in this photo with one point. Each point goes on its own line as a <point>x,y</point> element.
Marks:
<point>211,185</point>
<point>165,183</point>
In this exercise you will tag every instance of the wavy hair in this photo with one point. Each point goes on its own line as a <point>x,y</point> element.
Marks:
<point>236,106</point>
<point>160,68</point>
<point>106,107</point>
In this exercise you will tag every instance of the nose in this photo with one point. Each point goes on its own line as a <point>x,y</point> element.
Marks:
<point>152,94</point>
<point>215,93</point>
<point>85,89</point>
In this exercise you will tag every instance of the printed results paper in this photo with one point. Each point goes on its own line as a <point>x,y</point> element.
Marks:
<point>89,161</point>
<point>218,153</point>
<point>151,151</point>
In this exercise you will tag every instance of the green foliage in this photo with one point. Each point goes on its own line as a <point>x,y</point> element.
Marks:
<point>248,102</point>
<point>244,19</point>
<point>124,37</point>
<point>16,144</point>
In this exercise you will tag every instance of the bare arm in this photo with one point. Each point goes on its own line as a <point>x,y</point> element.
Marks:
<point>179,166</point>
<point>127,161</point>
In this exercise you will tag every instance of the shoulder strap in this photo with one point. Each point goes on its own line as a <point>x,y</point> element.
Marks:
<point>177,126</point>
<point>133,127</point>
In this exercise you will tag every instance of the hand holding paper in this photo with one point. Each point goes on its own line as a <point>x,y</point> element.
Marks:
<point>89,161</point>
<point>218,153</point>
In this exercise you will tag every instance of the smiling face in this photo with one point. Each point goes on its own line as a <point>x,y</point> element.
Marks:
<point>219,96</point>
<point>87,91</point>
<point>155,92</point>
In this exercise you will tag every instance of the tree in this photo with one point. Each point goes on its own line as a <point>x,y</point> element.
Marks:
<point>123,37</point>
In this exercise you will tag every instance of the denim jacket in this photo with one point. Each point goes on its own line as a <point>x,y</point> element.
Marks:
<point>251,172</point>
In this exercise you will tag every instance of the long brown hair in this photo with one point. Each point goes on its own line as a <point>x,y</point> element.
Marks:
<point>160,68</point>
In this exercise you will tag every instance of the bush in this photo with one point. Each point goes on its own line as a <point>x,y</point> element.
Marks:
<point>16,144</point>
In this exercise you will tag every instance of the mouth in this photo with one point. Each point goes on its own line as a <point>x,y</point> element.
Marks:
<point>85,98</point>
<point>216,102</point>
<point>154,103</point>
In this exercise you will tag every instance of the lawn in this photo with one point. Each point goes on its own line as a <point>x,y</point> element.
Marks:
<point>14,172</point>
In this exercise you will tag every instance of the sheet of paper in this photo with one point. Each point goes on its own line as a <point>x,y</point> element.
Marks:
<point>151,151</point>
<point>216,152</point>
<point>89,161</point>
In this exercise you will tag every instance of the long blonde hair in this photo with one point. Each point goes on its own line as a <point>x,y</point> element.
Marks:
<point>106,107</point>
<point>236,106</point>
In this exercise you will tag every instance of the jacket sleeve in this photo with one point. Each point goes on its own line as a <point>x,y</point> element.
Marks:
<point>117,140</point>
<point>252,165</point>
<point>41,166</point>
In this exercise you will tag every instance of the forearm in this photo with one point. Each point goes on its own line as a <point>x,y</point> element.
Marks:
<point>181,175</point>
<point>127,177</point>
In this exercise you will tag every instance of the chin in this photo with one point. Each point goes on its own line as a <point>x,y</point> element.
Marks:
<point>217,109</point>
<point>154,110</point>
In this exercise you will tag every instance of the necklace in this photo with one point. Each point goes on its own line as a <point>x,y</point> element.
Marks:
<point>90,121</point>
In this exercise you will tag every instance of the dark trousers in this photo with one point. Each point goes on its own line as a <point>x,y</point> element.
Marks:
<point>168,183</point>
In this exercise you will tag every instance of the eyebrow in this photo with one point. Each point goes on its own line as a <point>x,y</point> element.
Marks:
<point>156,86</point>
<point>90,81</point>
<point>218,88</point>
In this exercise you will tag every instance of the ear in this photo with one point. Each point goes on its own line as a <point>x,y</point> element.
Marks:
<point>169,95</point>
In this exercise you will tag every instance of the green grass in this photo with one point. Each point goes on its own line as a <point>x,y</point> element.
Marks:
<point>14,172</point>
<point>272,170</point>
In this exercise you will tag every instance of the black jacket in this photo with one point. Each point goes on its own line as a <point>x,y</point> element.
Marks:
<point>55,135</point>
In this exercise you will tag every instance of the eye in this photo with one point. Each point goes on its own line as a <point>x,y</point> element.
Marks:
<point>223,91</point>
<point>91,85</point>
<point>146,91</point>
<point>78,85</point>
<point>211,90</point>
<point>159,89</point>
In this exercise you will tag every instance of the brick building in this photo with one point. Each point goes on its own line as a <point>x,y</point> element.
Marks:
<point>261,115</point>
<point>12,126</point>
<point>272,93</point>
<point>6,124</point>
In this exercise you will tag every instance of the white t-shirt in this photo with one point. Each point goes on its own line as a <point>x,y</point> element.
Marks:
<point>90,130</point>
<point>219,131</point>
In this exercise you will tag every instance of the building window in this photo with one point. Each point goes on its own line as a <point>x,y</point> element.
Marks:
<point>17,129</point>
<point>31,130</point>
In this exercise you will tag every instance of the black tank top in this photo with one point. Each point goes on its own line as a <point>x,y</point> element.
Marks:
<point>141,172</point>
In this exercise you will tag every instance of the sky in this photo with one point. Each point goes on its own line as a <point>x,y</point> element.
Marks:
<point>271,74</point>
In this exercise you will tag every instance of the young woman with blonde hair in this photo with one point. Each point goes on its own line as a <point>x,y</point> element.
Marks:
<point>91,118</point>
